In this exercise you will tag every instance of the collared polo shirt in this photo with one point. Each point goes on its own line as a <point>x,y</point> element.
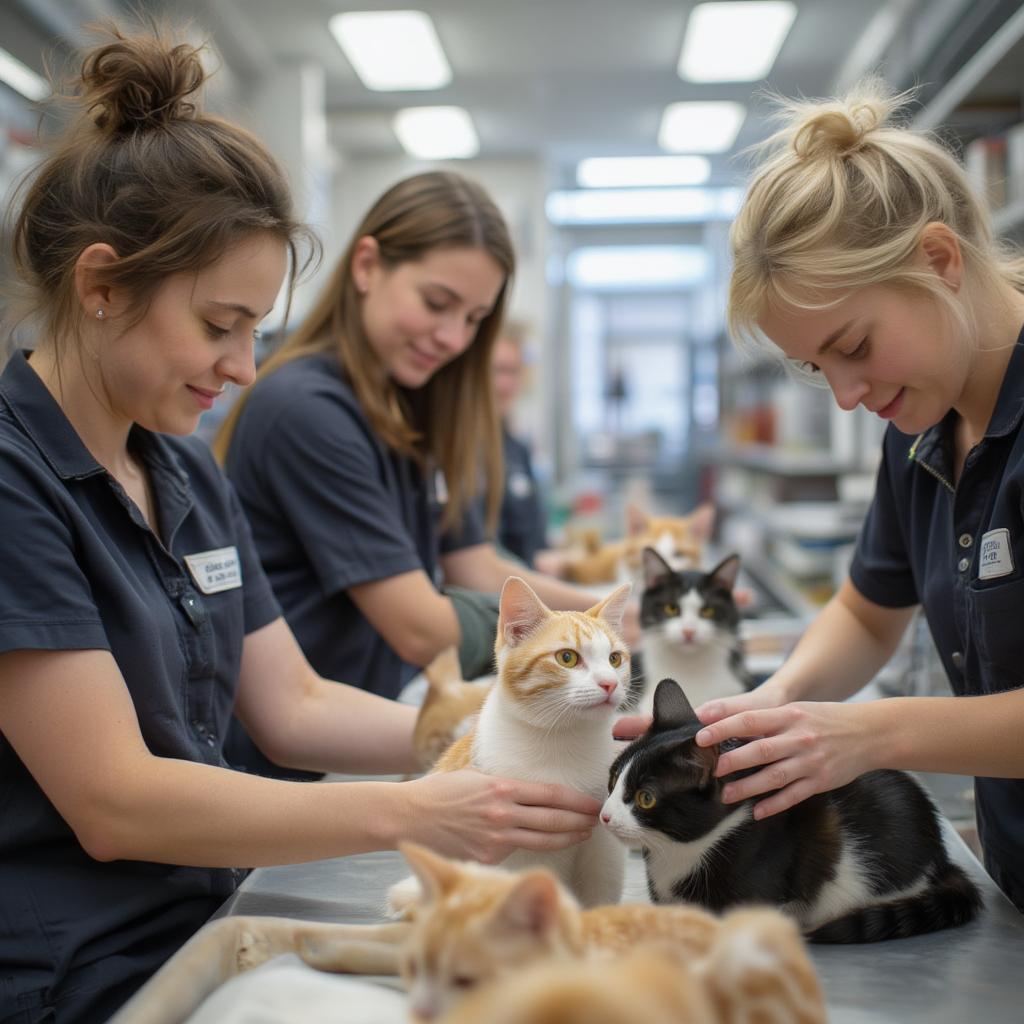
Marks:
<point>959,552</point>
<point>521,525</point>
<point>81,569</point>
<point>331,507</point>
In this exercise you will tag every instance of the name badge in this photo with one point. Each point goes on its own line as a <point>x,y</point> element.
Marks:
<point>996,558</point>
<point>520,485</point>
<point>215,571</point>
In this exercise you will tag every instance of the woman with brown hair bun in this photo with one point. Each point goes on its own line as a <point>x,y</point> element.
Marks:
<point>136,616</point>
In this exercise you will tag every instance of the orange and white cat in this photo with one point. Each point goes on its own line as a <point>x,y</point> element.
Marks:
<point>449,707</point>
<point>678,539</point>
<point>562,676</point>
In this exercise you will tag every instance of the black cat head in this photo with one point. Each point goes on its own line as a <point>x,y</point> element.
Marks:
<point>722,577</point>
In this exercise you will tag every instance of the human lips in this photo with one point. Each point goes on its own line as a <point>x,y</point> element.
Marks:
<point>205,396</point>
<point>425,360</point>
<point>887,412</point>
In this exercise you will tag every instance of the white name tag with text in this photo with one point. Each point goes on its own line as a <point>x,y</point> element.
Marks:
<point>996,557</point>
<point>215,571</point>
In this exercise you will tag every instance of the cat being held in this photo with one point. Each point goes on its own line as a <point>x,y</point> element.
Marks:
<point>691,630</point>
<point>860,863</point>
<point>562,676</point>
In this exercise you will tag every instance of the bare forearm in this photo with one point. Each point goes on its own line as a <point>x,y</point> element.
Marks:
<point>913,733</point>
<point>839,654</point>
<point>177,812</point>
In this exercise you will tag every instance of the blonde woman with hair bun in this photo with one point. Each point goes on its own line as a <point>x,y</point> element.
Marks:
<point>863,259</point>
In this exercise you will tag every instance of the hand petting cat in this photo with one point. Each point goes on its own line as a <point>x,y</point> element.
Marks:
<point>470,815</point>
<point>806,747</point>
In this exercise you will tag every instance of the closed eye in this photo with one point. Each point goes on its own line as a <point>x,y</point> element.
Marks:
<point>216,331</point>
<point>859,352</point>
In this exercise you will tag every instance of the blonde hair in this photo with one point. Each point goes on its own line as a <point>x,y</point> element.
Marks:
<point>839,204</point>
<point>451,419</point>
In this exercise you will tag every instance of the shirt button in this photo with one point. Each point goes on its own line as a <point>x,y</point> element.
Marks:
<point>965,540</point>
<point>958,659</point>
<point>964,564</point>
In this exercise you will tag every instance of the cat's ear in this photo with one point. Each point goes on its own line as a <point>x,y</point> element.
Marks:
<point>520,612</point>
<point>532,907</point>
<point>655,568</point>
<point>613,607</point>
<point>637,520</point>
<point>724,574</point>
<point>702,521</point>
<point>437,875</point>
<point>671,708</point>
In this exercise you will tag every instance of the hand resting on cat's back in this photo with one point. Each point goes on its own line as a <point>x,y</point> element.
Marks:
<point>860,863</point>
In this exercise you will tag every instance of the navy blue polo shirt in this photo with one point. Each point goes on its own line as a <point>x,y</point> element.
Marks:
<point>959,552</point>
<point>522,522</point>
<point>83,570</point>
<point>331,507</point>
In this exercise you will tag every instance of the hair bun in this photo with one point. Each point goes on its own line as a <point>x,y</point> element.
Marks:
<point>839,129</point>
<point>141,82</point>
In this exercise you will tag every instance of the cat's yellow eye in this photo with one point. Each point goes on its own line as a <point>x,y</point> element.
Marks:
<point>463,981</point>
<point>645,799</point>
<point>671,609</point>
<point>707,613</point>
<point>570,659</point>
<point>615,659</point>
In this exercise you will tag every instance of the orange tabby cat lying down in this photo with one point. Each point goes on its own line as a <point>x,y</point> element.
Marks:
<point>476,925</point>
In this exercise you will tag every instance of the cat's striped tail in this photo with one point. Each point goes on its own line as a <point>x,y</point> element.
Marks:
<point>951,899</point>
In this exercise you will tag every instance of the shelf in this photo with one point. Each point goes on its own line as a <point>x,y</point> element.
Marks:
<point>766,458</point>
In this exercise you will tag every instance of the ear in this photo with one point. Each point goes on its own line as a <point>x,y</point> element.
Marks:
<point>671,708</point>
<point>531,908</point>
<point>445,669</point>
<point>520,611</point>
<point>655,567</point>
<point>90,286</point>
<point>702,521</point>
<point>365,263</point>
<point>437,875</point>
<point>724,574</point>
<point>636,520</point>
<point>613,607</point>
<point>939,247</point>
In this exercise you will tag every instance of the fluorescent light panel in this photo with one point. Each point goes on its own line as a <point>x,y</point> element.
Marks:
<point>633,267</point>
<point>734,42</point>
<point>22,79</point>
<point>642,205</point>
<point>436,133</point>
<point>701,127</point>
<point>392,50</point>
<point>641,171</point>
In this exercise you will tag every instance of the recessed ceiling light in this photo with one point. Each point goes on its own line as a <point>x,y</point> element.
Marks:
<point>642,205</point>
<point>22,78</point>
<point>734,42</point>
<point>631,267</point>
<point>641,171</point>
<point>392,50</point>
<point>436,133</point>
<point>701,127</point>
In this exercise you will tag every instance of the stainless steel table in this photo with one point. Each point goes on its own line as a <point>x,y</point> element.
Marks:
<point>959,976</point>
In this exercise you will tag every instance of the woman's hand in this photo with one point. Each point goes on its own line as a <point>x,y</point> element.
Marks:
<point>467,814</point>
<point>806,747</point>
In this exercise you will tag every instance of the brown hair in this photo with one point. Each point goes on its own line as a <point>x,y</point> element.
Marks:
<point>451,419</point>
<point>141,169</point>
<point>840,202</point>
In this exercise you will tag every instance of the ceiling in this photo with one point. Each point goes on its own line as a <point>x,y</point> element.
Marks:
<point>555,80</point>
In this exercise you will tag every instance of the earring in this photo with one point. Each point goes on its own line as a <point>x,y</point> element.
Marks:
<point>100,314</point>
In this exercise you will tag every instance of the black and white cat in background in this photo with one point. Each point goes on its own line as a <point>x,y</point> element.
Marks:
<point>860,863</point>
<point>691,630</point>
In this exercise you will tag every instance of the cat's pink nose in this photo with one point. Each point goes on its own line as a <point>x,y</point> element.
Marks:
<point>605,817</point>
<point>688,635</point>
<point>608,688</point>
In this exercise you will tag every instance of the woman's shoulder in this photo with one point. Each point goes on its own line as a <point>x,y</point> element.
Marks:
<point>302,387</point>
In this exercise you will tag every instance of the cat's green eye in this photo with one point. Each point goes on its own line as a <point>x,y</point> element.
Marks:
<point>671,609</point>
<point>707,613</point>
<point>570,659</point>
<point>615,659</point>
<point>645,799</point>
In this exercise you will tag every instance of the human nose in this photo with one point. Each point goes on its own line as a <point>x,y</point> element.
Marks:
<point>847,388</point>
<point>238,364</point>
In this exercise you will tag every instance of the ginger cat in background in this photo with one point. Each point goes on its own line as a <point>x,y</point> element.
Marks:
<point>678,539</point>
<point>449,708</point>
